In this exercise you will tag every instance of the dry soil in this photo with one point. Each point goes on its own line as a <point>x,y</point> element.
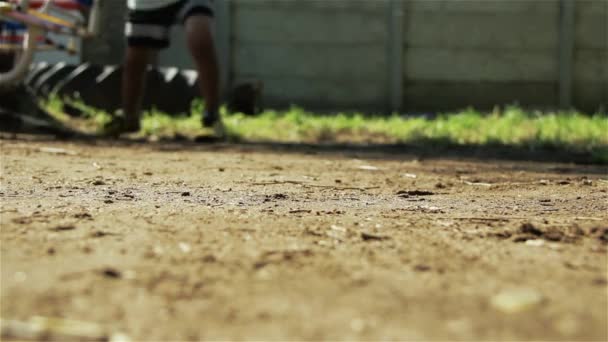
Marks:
<point>170,241</point>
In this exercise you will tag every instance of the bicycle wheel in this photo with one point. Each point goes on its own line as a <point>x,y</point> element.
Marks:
<point>18,46</point>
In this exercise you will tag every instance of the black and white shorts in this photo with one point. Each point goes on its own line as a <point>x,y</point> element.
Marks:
<point>150,28</point>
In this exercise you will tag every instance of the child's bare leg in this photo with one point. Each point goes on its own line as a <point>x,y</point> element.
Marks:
<point>202,49</point>
<point>133,82</point>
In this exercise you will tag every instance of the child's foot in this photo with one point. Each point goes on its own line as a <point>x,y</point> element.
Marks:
<point>121,125</point>
<point>213,121</point>
<point>210,119</point>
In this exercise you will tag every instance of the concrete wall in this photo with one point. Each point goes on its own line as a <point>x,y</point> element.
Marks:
<point>481,53</point>
<point>339,54</point>
<point>109,46</point>
<point>590,69</point>
<point>314,53</point>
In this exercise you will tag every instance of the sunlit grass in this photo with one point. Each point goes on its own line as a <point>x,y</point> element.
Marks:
<point>567,131</point>
<point>513,127</point>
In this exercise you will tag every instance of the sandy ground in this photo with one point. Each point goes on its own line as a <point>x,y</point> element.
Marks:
<point>217,242</point>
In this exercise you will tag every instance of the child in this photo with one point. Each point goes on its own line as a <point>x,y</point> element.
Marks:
<point>147,30</point>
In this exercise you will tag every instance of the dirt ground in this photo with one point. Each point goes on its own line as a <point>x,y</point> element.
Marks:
<point>170,241</point>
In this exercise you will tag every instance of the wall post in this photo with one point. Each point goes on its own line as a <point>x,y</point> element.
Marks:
<point>566,52</point>
<point>395,55</point>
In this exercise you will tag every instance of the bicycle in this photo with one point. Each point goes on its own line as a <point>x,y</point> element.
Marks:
<point>26,25</point>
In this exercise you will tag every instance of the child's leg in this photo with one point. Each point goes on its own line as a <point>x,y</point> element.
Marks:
<point>202,49</point>
<point>133,82</point>
<point>146,31</point>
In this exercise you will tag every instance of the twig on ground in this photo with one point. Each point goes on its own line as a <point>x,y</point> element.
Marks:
<point>278,183</point>
<point>487,218</point>
<point>307,185</point>
<point>342,187</point>
<point>300,211</point>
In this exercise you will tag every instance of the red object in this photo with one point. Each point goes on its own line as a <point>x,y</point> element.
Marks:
<point>11,39</point>
<point>16,38</point>
<point>65,4</point>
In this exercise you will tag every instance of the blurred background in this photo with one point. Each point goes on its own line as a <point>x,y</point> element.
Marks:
<point>399,55</point>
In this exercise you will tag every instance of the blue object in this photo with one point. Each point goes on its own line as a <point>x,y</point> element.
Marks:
<point>12,26</point>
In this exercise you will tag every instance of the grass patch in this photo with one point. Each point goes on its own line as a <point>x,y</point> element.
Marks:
<point>513,127</point>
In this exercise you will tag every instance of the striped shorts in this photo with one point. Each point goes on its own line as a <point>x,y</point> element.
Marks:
<point>150,28</point>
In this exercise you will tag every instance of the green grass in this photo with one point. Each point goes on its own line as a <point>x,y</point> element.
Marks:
<point>566,131</point>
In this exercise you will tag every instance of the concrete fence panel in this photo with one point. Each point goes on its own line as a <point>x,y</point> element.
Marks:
<point>590,62</point>
<point>326,53</point>
<point>480,54</point>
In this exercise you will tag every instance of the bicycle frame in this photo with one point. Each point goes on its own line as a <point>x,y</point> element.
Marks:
<point>38,18</point>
